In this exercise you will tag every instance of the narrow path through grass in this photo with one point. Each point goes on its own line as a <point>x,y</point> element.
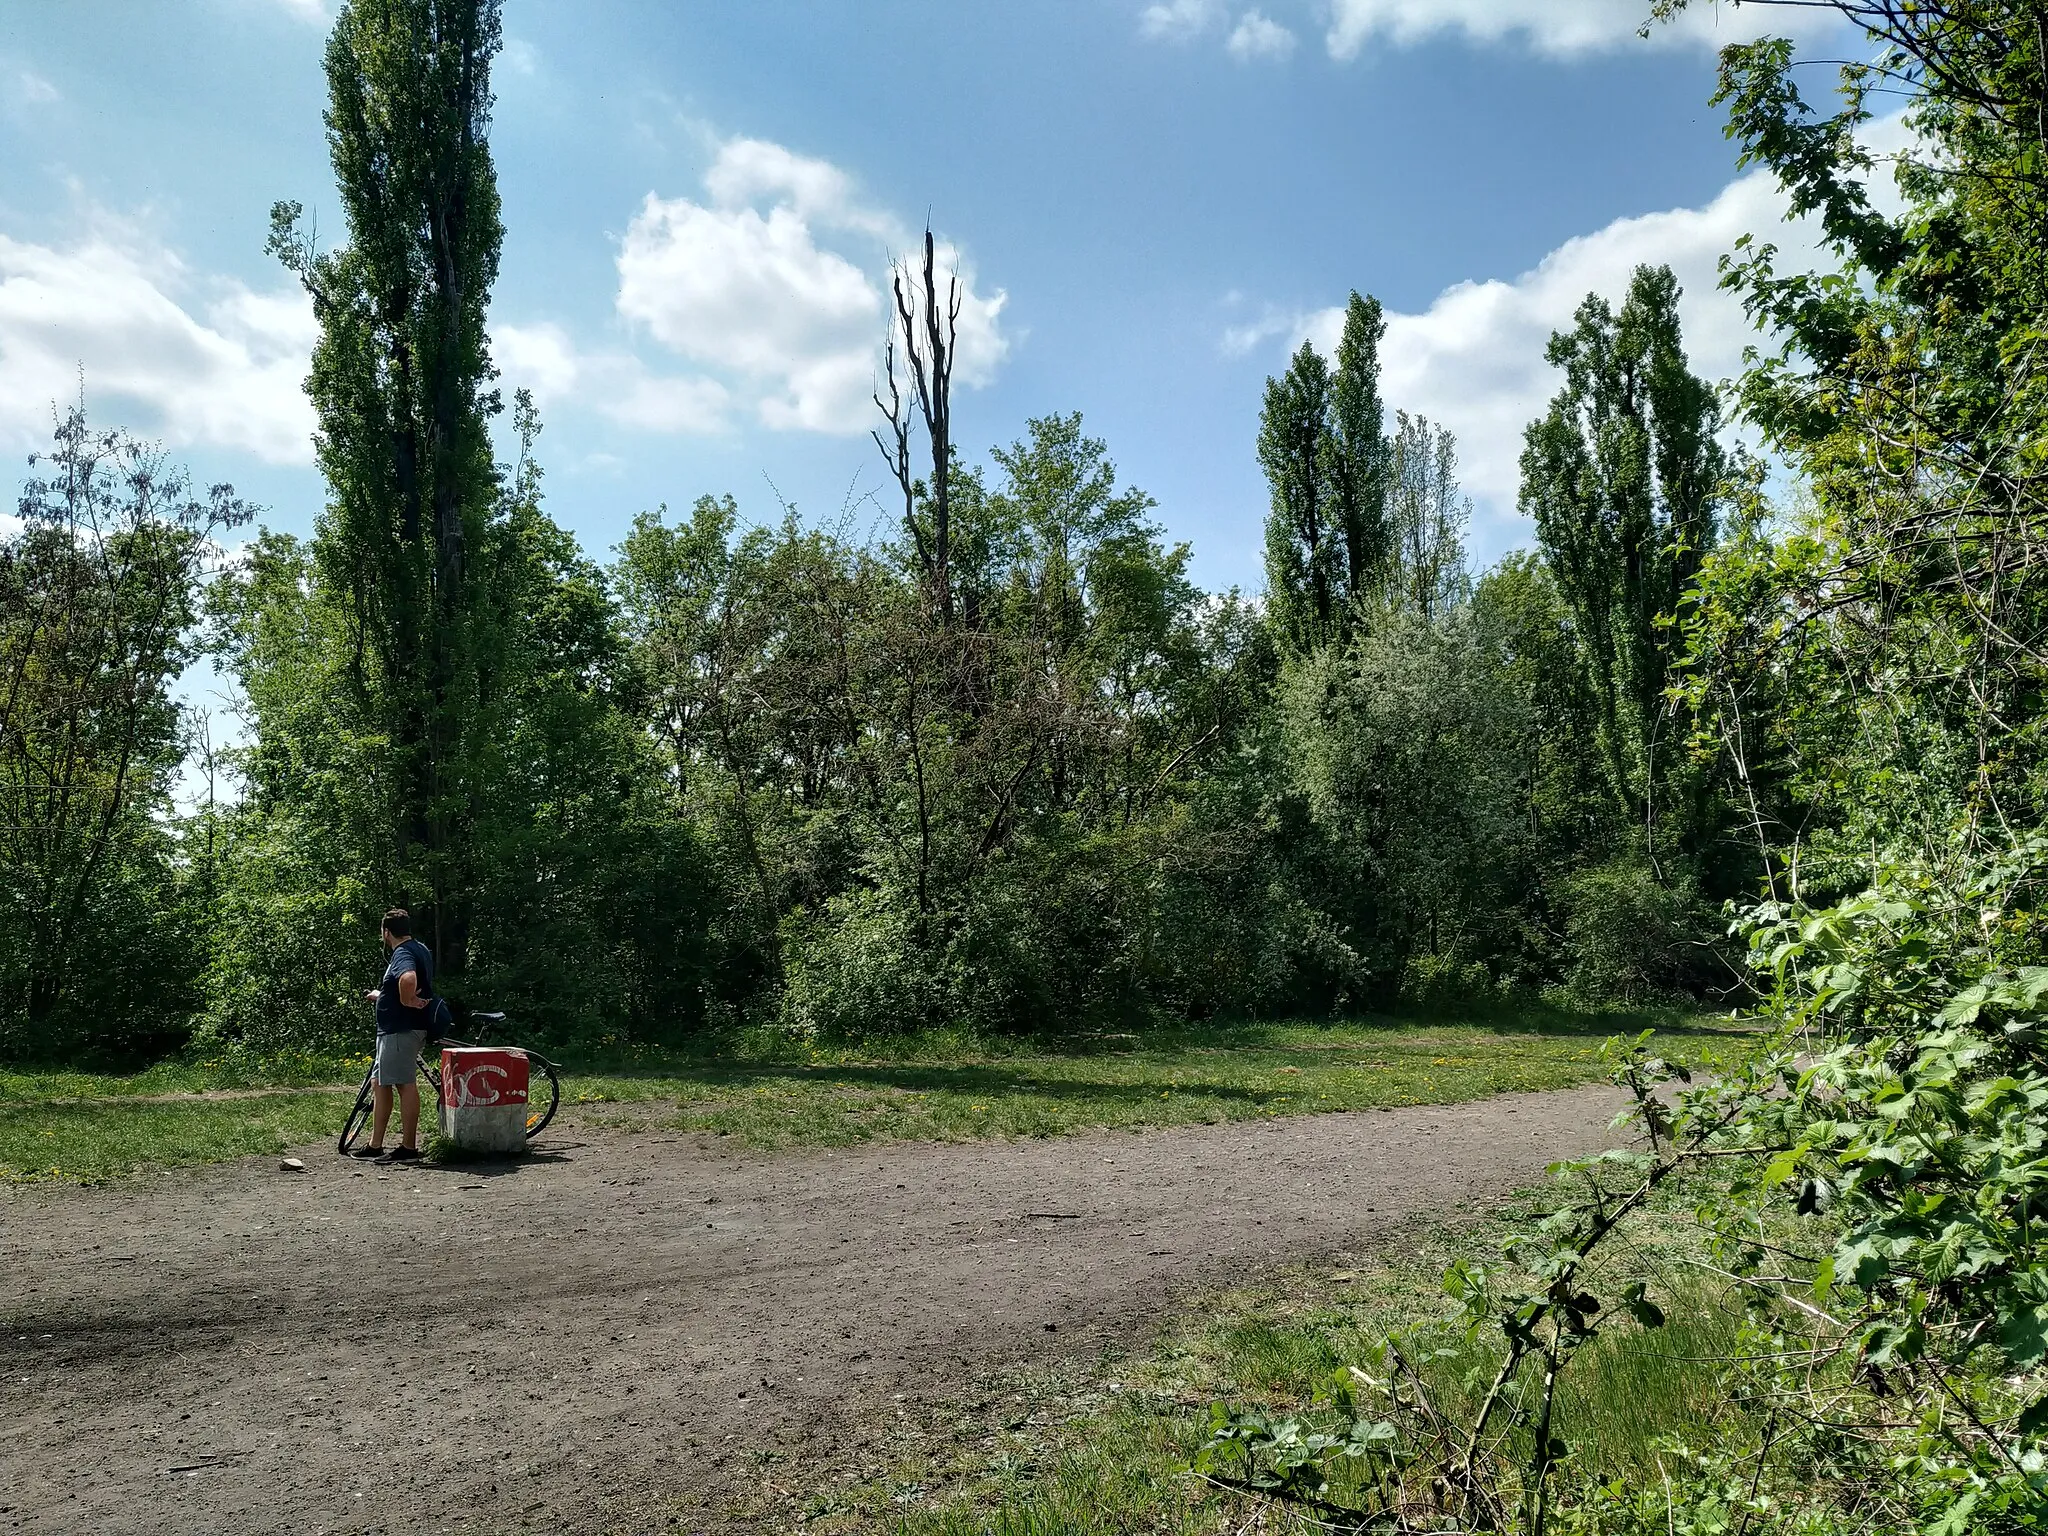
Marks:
<point>71,1125</point>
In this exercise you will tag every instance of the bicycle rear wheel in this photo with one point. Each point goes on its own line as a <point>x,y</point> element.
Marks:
<point>543,1094</point>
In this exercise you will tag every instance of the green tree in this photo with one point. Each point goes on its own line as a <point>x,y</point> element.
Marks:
<point>1423,567</point>
<point>1305,561</point>
<point>99,586</point>
<point>1570,819</point>
<point>1404,745</point>
<point>1623,478</point>
<point>400,382</point>
<point>588,911</point>
<point>1900,618</point>
<point>1359,454</point>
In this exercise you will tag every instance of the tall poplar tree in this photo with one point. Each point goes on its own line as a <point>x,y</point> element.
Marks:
<point>1359,453</point>
<point>1323,446</point>
<point>1304,540</point>
<point>1623,477</point>
<point>400,384</point>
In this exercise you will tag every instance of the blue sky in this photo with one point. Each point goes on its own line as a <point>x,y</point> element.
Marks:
<point>1150,202</point>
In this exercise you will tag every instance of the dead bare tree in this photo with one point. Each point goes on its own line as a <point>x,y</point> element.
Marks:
<point>928,334</point>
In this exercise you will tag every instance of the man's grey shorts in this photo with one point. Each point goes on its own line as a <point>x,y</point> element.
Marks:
<point>398,1057</point>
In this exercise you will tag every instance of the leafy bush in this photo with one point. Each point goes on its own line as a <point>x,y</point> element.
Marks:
<point>1631,937</point>
<point>1874,1197</point>
<point>858,969</point>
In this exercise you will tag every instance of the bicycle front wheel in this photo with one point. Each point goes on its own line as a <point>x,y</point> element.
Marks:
<point>358,1119</point>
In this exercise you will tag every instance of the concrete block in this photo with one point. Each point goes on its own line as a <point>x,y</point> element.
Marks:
<point>483,1099</point>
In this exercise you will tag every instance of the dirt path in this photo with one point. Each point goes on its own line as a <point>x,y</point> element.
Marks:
<point>592,1341</point>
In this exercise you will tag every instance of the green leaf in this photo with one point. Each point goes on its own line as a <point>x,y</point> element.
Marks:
<point>1645,1311</point>
<point>1891,1343</point>
<point>2033,1420</point>
<point>2023,1335</point>
<point>1955,1520</point>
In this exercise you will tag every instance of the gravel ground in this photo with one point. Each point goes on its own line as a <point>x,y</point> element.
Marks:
<point>593,1340</point>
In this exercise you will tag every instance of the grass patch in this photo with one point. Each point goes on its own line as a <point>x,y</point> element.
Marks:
<point>1091,1450</point>
<point>224,1073</point>
<point>91,1142</point>
<point>57,1124</point>
<point>907,1091</point>
<point>771,1092</point>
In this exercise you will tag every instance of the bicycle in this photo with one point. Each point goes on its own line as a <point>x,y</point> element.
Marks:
<point>543,1092</point>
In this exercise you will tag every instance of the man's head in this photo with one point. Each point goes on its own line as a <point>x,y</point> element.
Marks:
<point>397,927</point>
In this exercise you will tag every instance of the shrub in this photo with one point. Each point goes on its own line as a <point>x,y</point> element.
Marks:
<point>1630,937</point>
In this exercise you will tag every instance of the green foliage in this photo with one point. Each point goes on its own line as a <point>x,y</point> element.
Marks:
<point>1630,936</point>
<point>1361,467</point>
<point>1403,746</point>
<point>1865,681</point>
<point>1330,537</point>
<point>1623,479</point>
<point>1875,672</point>
<point>1874,1203</point>
<point>1005,765</point>
<point>399,383</point>
<point>1424,567</point>
<point>1479,785</point>
<point>586,908</point>
<point>1304,557</point>
<point>922,821</point>
<point>98,590</point>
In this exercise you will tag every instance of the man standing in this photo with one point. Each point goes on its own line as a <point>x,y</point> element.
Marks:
<point>405,1005</point>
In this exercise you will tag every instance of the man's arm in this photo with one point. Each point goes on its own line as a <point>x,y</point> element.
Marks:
<point>409,989</point>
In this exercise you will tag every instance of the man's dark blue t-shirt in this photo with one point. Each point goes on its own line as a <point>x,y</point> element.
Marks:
<point>393,1017</point>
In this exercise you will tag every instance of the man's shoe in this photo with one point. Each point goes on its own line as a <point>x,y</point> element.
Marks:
<point>366,1153</point>
<point>401,1155</point>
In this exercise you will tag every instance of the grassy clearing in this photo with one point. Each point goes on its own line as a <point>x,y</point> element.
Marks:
<point>1205,1076</point>
<point>40,1085</point>
<point>62,1125</point>
<point>92,1142</point>
<point>773,1093</point>
<point>1105,1448</point>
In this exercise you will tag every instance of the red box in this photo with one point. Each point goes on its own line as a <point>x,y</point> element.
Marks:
<point>482,1079</point>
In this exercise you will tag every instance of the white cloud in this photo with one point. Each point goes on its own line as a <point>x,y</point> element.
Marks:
<point>540,357</point>
<point>544,359</point>
<point>658,404</point>
<point>1176,21</point>
<point>226,370</point>
<point>1259,37</point>
<point>755,294</point>
<point>749,171</point>
<point>1248,336</point>
<point>31,89</point>
<point>1473,361</point>
<point>1561,28</point>
<point>306,10</point>
<point>745,284</point>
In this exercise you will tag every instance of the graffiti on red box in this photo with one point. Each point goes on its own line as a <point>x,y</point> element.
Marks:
<point>473,1079</point>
